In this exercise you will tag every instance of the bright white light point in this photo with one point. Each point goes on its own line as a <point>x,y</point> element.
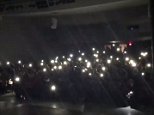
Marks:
<point>52,69</point>
<point>71,55</point>
<point>17,79</point>
<point>118,49</point>
<point>83,70</point>
<point>127,58</point>
<point>148,65</point>
<point>113,45</point>
<point>97,60</point>
<point>10,82</point>
<point>56,61</point>
<point>52,61</point>
<point>103,68</point>
<point>88,64</point>
<point>44,69</point>
<point>42,61</point>
<point>7,63</point>
<point>60,67</point>
<point>139,58</point>
<point>19,61</point>
<point>63,57</point>
<point>53,88</point>
<point>125,52</point>
<point>30,65</point>
<point>65,62</point>
<point>111,57</point>
<point>97,52</point>
<point>69,59</point>
<point>79,59</point>
<point>142,73</point>
<point>108,61</point>
<point>117,59</point>
<point>96,55</point>
<point>90,74</point>
<point>55,67</point>
<point>93,49</point>
<point>86,60</point>
<point>144,54</point>
<point>54,106</point>
<point>82,54</point>
<point>103,52</point>
<point>41,64</point>
<point>101,75</point>
<point>132,62</point>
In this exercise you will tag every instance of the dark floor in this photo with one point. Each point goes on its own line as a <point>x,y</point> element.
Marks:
<point>9,106</point>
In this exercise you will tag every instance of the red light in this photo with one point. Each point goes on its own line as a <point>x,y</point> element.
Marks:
<point>130,43</point>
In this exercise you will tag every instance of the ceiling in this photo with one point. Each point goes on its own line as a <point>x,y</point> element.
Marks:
<point>31,36</point>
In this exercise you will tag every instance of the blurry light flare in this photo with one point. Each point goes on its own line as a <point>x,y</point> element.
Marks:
<point>108,61</point>
<point>56,61</point>
<point>53,88</point>
<point>93,49</point>
<point>142,73</point>
<point>139,58</point>
<point>103,52</point>
<point>118,49</point>
<point>103,68</point>
<point>17,79</point>
<point>69,59</point>
<point>144,54</point>
<point>7,63</point>
<point>10,82</point>
<point>95,55</point>
<point>90,74</point>
<point>65,63</point>
<point>63,57</point>
<point>97,60</point>
<point>82,54</point>
<point>127,59</point>
<point>41,64</point>
<point>19,61</point>
<point>88,64</point>
<point>44,69</point>
<point>60,67</point>
<point>52,61</point>
<point>30,65</point>
<point>101,75</point>
<point>117,59</point>
<point>148,65</point>
<point>55,67</point>
<point>113,45</point>
<point>71,55</point>
<point>125,52</point>
<point>79,59</point>
<point>133,63</point>
<point>83,71</point>
<point>97,52</point>
<point>86,61</point>
<point>42,61</point>
<point>52,69</point>
<point>130,43</point>
<point>111,57</point>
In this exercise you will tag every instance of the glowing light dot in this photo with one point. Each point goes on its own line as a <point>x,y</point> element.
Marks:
<point>97,60</point>
<point>113,45</point>
<point>42,61</point>
<point>7,63</point>
<point>82,54</point>
<point>117,59</point>
<point>127,59</point>
<point>90,74</point>
<point>139,58</point>
<point>55,67</point>
<point>144,54</point>
<point>95,55</point>
<point>60,67</point>
<point>53,88</point>
<point>108,61</point>
<point>142,73</point>
<point>97,52</point>
<point>71,55</point>
<point>30,65</point>
<point>44,69</point>
<point>101,75</point>
<point>118,49</point>
<point>83,71</point>
<point>86,61</point>
<point>17,79</point>
<point>88,64</point>
<point>41,64</point>
<point>52,61</point>
<point>111,57</point>
<point>69,59</point>
<point>65,62</point>
<point>19,61</point>
<point>103,68</point>
<point>125,52</point>
<point>93,49</point>
<point>148,65</point>
<point>103,52</point>
<point>79,59</point>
